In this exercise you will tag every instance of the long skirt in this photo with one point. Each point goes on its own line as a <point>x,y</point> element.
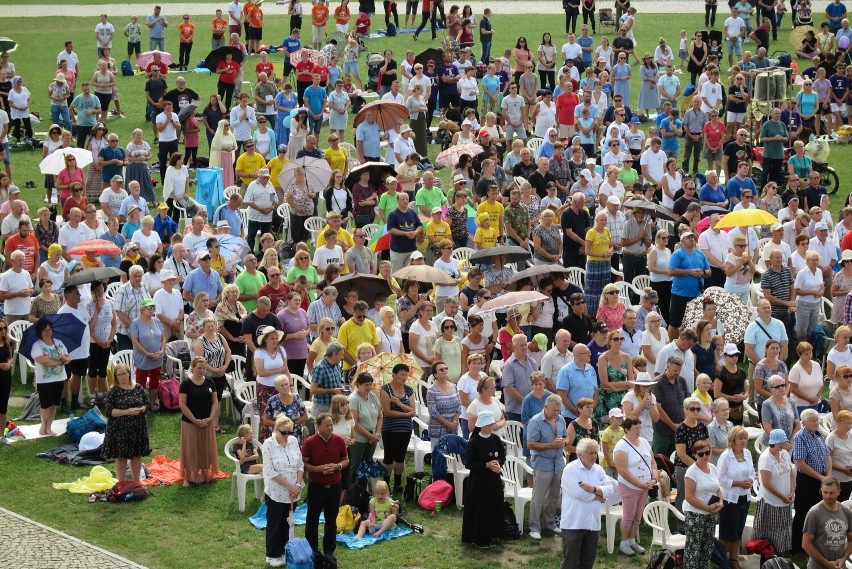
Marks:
<point>700,529</point>
<point>598,274</point>
<point>138,171</point>
<point>94,185</point>
<point>418,125</point>
<point>774,523</point>
<point>199,457</point>
<point>264,394</point>
<point>227,163</point>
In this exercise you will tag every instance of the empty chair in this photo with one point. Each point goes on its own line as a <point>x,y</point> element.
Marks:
<point>420,447</point>
<point>247,395</point>
<point>513,436</point>
<point>16,332</point>
<point>534,144</point>
<point>656,515</point>
<point>455,465</point>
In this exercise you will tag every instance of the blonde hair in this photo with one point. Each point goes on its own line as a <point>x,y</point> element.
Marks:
<point>537,377</point>
<point>196,302</point>
<point>244,431</point>
<point>337,402</point>
<point>605,291</point>
<point>381,486</point>
<point>265,263</point>
<point>366,346</point>
<point>736,434</point>
<point>283,421</point>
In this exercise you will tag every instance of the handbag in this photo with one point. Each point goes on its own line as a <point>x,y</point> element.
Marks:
<point>362,219</point>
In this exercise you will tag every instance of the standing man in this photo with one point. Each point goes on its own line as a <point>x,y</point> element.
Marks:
<point>693,135</point>
<point>218,26</point>
<point>827,538</point>
<point>356,331</point>
<point>556,358</point>
<point>577,380</point>
<point>315,99</point>
<point>16,289</point>
<point>235,17</point>
<point>261,201</point>
<point>243,120</point>
<point>368,139</point>
<point>635,240</point>
<point>516,377</point>
<point>86,108</point>
<point>168,126</point>
<point>26,242</point>
<point>546,440</point>
<point>405,227</point>
<point>774,136</point>
<point>486,35</point>
<point>104,33</point>
<point>734,29</point>
<point>253,324</point>
<point>689,268</point>
<point>325,457</point>
<point>155,89</point>
<point>653,163</point>
<point>186,33</point>
<point>128,299</point>
<point>78,365</point>
<point>68,55</point>
<point>157,24</point>
<point>575,222</point>
<point>715,244</point>
<point>670,391</point>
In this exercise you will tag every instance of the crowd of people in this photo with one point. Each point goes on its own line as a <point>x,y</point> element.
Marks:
<point>600,378</point>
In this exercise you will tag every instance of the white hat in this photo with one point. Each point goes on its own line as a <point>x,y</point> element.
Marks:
<point>485,418</point>
<point>613,200</point>
<point>166,274</point>
<point>617,413</point>
<point>731,350</point>
<point>644,378</point>
<point>404,128</point>
<point>586,174</point>
<point>265,331</point>
<point>416,255</point>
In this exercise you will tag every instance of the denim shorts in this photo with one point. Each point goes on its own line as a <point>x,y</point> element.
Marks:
<point>735,47</point>
<point>350,68</point>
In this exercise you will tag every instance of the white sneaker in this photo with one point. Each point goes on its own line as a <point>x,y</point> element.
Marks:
<point>535,535</point>
<point>637,548</point>
<point>626,549</point>
<point>276,561</point>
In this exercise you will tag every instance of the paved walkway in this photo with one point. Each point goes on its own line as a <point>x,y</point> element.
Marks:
<point>31,545</point>
<point>173,9</point>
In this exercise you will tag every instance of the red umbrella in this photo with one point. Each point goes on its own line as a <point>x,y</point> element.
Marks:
<point>96,246</point>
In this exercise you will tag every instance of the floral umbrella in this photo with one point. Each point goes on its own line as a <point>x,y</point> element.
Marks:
<point>730,310</point>
<point>381,368</point>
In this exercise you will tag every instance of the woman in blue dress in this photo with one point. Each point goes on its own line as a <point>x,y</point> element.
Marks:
<point>621,75</point>
<point>649,98</point>
<point>285,101</point>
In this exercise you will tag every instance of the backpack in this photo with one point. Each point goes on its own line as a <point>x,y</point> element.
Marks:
<point>779,563</point>
<point>510,524</point>
<point>346,520</point>
<point>169,389</point>
<point>437,491</point>
<point>391,31</point>
<point>91,420</point>
<point>762,546</point>
<point>358,497</point>
<point>126,68</point>
<point>664,559</point>
<point>414,485</point>
<point>127,491</point>
<point>298,554</point>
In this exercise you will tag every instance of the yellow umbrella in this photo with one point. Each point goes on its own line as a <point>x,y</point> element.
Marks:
<point>743,217</point>
<point>381,368</point>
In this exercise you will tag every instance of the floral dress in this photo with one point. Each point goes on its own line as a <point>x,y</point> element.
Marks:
<point>611,399</point>
<point>46,236</point>
<point>294,410</point>
<point>550,241</point>
<point>582,432</point>
<point>126,436</point>
<point>303,205</point>
<point>458,224</point>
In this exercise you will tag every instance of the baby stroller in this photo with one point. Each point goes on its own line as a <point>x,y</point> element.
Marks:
<point>802,15</point>
<point>374,62</point>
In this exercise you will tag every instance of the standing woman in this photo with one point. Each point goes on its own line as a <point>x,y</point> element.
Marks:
<point>96,142</point>
<point>809,291</point>
<point>522,55</point>
<point>637,475</point>
<point>729,383</point>
<point>422,335</point>
<point>598,246</point>
<point>6,355</point>
<point>103,82</point>
<point>698,52</point>
<point>230,314</point>
<point>270,361</point>
<point>417,105</point>
<point>227,71</point>
<point>621,76</point>
<point>773,517</point>
<point>51,144</point>
<point>659,256</point>
<point>839,444</point>
<point>547,62</point>
<point>543,116</point>
<point>736,475</point>
<point>366,411</point>
<point>211,346</point>
<point>199,457</point>
<point>69,175</point>
<point>51,357</point>
<point>397,409</point>
<point>149,346</point>
<point>805,380</point>
<point>103,324</point>
<point>583,427</point>
<point>19,100</point>
<point>640,405</point>
<point>702,501</point>
<point>483,520</point>
<point>214,112</point>
<point>222,147</point>
<point>126,436</point>
<point>649,73</point>
<point>300,198</point>
<point>283,471</point>
<point>442,399</point>
<point>528,87</point>
<point>294,323</point>
<point>138,155</point>
<point>547,240</point>
<point>615,372</point>
<point>589,14</point>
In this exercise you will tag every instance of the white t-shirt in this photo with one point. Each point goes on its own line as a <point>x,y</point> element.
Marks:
<point>713,93</point>
<point>424,82</point>
<point>488,319</point>
<point>10,224</point>
<point>571,51</point>
<point>269,362</point>
<point>425,340</point>
<point>639,460</point>
<point>169,133</point>
<point>388,343</point>
<point>407,68</point>
<point>477,406</point>
<point>647,428</point>
<point>113,199</point>
<point>51,374</point>
<point>450,267</point>
<point>69,237</point>
<point>234,8</point>
<point>734,26</point>
<point>656,163</point>
<point>839,358</point>
<point>323,256</point>
<point>779,471</point>
<point>806,280</point>
<point>82,314</point>
<point>261,196</point>
<point>809,383</point>
<point>169,304</point>
<point>105,32</point>
<point>148,244</point>
<point>467,385</point>
<point>10,281</point>
<point>4,120</point>
<point>841,455</point>
<point>706,485</point>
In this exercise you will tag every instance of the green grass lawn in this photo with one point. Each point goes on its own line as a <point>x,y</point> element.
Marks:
<point>201,526</point>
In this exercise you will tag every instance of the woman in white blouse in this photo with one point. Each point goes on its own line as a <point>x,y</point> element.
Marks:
<point>839,444</point>
<point>773,514</point>
<point>283,470</point>
<point>653,338</point>
<point>809,290</point>
<point>658,270</point>
<point>806,380</point>
<point>702,501</point>
<point>390,338</point>
<point>736,475</point>
<point>641,405</point>
<point>637,475</point>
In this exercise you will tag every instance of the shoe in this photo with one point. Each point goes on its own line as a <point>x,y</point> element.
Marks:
<point>535,535</point>
<point>92,401</point>
<point>63,407</point>
<point>75,405</point>
<point>275,561</point>
<point>626,549</point>
<point>637,548</point>
<point>156,140</point>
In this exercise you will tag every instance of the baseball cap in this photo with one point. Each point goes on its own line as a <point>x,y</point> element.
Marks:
<point>821,226</point>
<point>613,200</point>
<point>586,174</point>
<point>117,178</point>
<point>776,227</point>
<point>686,234</point>
<point>731,349</point>
<point>635,120</point>
<point>148,303</point>
<point>416,255</point>
<point>263,173</point>
<point>437,210</point>
<point>616,413</point>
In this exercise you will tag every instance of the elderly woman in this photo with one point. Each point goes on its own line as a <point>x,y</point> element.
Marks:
<point>547,240</point>
<point>195,320</point>
<point>610,307</point>
<point>211,346</point>
<point>688,433</point>
<point>283,471</point>
<point>103,325</point>
<point>739,270</point>
<point>840,396</point>
<point>486,454</point>
<point>839,445</point>
<point>813,465</point>
<point>806,380</point>
<point>641,405</point>
<point>810,287</point>
<point>637,475</point>
<point>719,429</point>
<point>285,402</point>
<point>654,337</point>
<point>702,494</point>
<point>486,401</point>
<point>467,388</point>
<point>615,372</point>
<point>448,348</point>
<point>366,409</point>
<point>583,427</point>
<point>230,314</point>
<point>294,323</point>
<point>199,457</point>
<point>841,353</point>
<point>773,517</point>
<point>778,411</point>
<point>770,365</point>
<point>735,475</point>
<point>149,346</point>
<point>442,399</point>
<point>126,437</point>
<point>51,357</point>
<point>148,240</point>
<point>300,198</point>
<point>598,247</point>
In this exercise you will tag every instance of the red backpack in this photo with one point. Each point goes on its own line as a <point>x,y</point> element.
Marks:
<point>127,491</point>
<point>437,491</point>
<point>169,389</point>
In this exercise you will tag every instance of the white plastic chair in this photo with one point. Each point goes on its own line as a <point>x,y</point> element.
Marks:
<point>351,151</point>
<point>624,291</point>
<point>16,333</point>
<point>301,382</point>
<point>656,515</point>
<point>123,357</point>
<point>314,225</point>
<point>370,230</point>
<point>463,253</point>
<point>284,213</point>
<point>460,473</point>
<point>641,282</point>
<point>247,395</point>
<point>183,215</point>
<point>515,471</point>
<point>420,405</point>
<point>577,276</point>
<point>239,480</point>
<point>513,436</point>
<point>534,144</point>
<point>754,433</point>
<point>111,289</point>
<point>235,379</point>
<point>612,514</point>
<point>420,447</point>
<point>231,190</point>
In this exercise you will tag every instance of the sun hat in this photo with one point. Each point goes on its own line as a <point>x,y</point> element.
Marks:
<point>485,418</point>
<point>616,413</point>
<point>644,378</point>
<point>166,275</point>
<point>777,436</point>
<point>267,330</point>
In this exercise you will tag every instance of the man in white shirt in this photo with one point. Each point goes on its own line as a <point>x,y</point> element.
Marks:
<point>711,93</point>
<point>112,197</point>
<point>556,358</point>
<point>571,50</point>
<point>169,305</point>
<point>133,199</point>
<point>235,16</point>
<point>4,142</point>
<point>752,240</point>
<point>715,244</point>
<point>681,347</point>
<point>16,289</point>
<point>72,233</point>
<point>197,235</point>
<point>394,94</point>
<point>827,250</point>
<point>167,124</point>
<point>776,242</point>
<point>653,162</point>
<point>734,29</point>
<point>11,222</point>
<point>104,33</point>
<point>331,252</point>
<point>79,357</point>
<point>261,200</point>
<point>243,120</point>
<point>70,56</point>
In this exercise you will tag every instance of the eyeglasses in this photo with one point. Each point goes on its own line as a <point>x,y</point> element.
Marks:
<point>450,327</point>
<point>618,339</point>
<point>702,453</point>
<point>731,355</point>
<point>613,292</point>
<point>579,302</point>
<point>694,409</point>
<point>70,158</point>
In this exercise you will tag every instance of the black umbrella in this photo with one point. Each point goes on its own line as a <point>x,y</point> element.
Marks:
<point>214,57</point>
<point>375,169</point>
<point>513,253</point>
<point>711,209</point>
<point>433,53</point>
<point>188,110</point>
<point>92,275</point>
<point>367,286</point>
<point>652,208</point>
<point>535,274</point>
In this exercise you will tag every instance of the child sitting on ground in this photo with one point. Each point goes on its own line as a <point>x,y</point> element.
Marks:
<point>383,512</point>
<point>245,450</point>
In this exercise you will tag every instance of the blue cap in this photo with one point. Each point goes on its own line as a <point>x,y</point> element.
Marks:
<point>777,436</point>
<point>635,120</point>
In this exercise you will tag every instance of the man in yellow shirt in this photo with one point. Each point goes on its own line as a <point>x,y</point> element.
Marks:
<point>486,236</point>
<point>493,208</point>
<point>357,330</point>
<point>435,232</point>
<point>249,164</point>
<point>335,155</point>
<point>344,238</point>
<point>276,165</point>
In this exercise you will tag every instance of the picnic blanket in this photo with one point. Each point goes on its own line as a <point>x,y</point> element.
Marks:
<point>166,471</point>
<point>300,516</point>
<point>71,454</point>
<point>30,432</point>
<point>353,542</point>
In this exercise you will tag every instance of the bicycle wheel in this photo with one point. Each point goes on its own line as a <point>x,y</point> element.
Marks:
<point>831,181</point>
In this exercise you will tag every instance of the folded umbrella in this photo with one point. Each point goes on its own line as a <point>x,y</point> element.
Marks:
<point>95,274</point>
<point>424,274</point>
<point>54,162</point>
<point>513,254</point>
<point>387,114</point>
<point>214,57</point>
<point>513,299</point>
<point>367,286</point>
<point>67,328</point>
<point>96,246</point>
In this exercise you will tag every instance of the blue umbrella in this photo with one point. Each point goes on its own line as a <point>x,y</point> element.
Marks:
<point>67,328</point>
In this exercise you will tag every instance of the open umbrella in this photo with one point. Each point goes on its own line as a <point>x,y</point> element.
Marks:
<point>731,311</point>
<point>313,55</point>
<point>424,274</point>
<point>513,253</point>
<point>513,299</point>
<point>54,163</point>
<point>381,368</point>
<point>375,168</point>
<point>743,217</point>
<point>381,238</point>
<point>147,57</point>
<point>798,34</point>
<point>9,45</point>
<point>317,173</point>
<point>217,55</point>
<point>711,209</point>
<point>654,209</point>
<point>387,114</point>
<point>67,328</point>
<point>188,110</point>
<point>433,53</point>
<point>92,275</point>
<point>367,286</point>
<point>232,248</point>
<point>535,274</point>
<point>450,156</point>
<point>96,246</point>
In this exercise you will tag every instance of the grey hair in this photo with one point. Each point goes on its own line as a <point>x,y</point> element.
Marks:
<point>264,300</point>
<point>719,404</point>
<point>135,270</point>
<point>333,348</point>
<point>808,414</point>
<point>584,445</point>
<point>689,401</point>
<point>675,360</point>
<point>553,399</point>
<point>330,291</point>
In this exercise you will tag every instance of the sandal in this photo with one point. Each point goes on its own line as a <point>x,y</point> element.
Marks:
<point>220,431</point>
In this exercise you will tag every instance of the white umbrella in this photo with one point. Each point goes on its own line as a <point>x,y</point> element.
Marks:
<point>54,163</point>
<point>513,299</point>
<point>317,172</point>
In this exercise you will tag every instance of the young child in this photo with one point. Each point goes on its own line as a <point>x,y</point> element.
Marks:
<point>486,235</point>
<point>715,49</point>
<point>640,364</point>
<point>551,196</point>
<point>681,52</point>
<point>378,304</point>
<point>383,512</point>
<point>611,435</point>
<point>245,451</point>
<point>474,123</point>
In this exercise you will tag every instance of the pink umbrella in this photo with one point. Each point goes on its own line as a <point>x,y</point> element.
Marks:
<point>148,56</point>
<point>312,55</point>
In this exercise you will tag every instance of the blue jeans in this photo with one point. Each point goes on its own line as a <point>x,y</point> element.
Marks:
<point>157,43</point>
<point>59,115</point>
<point>486,52</point>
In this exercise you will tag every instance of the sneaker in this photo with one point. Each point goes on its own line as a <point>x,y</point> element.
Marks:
<point>637,548</point>
<point>626,549</point>
<point>535,535</point>
<point>275,561</point>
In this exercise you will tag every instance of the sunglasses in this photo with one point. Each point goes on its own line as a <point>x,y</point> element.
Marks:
<point>702,453</point>
<point>449,328</point>
<point>618,339</point>
<point>579,302</point>
<point>783,384</point>
<point>694,409</point>
<point>844,376</point>
<point>285,432</point>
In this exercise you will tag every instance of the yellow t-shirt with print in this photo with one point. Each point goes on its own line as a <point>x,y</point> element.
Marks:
<point>610,437</point>
<point>601,243</point>
<point>217,263</point>
<point>440,230</point>
<point>250,165</point>
<point>494,211</point>
<point>275,166</point>
<point>485,238</point>
<point>343,237</point>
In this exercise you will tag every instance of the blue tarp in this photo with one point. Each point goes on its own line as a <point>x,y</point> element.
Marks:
<point>208,190</point>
